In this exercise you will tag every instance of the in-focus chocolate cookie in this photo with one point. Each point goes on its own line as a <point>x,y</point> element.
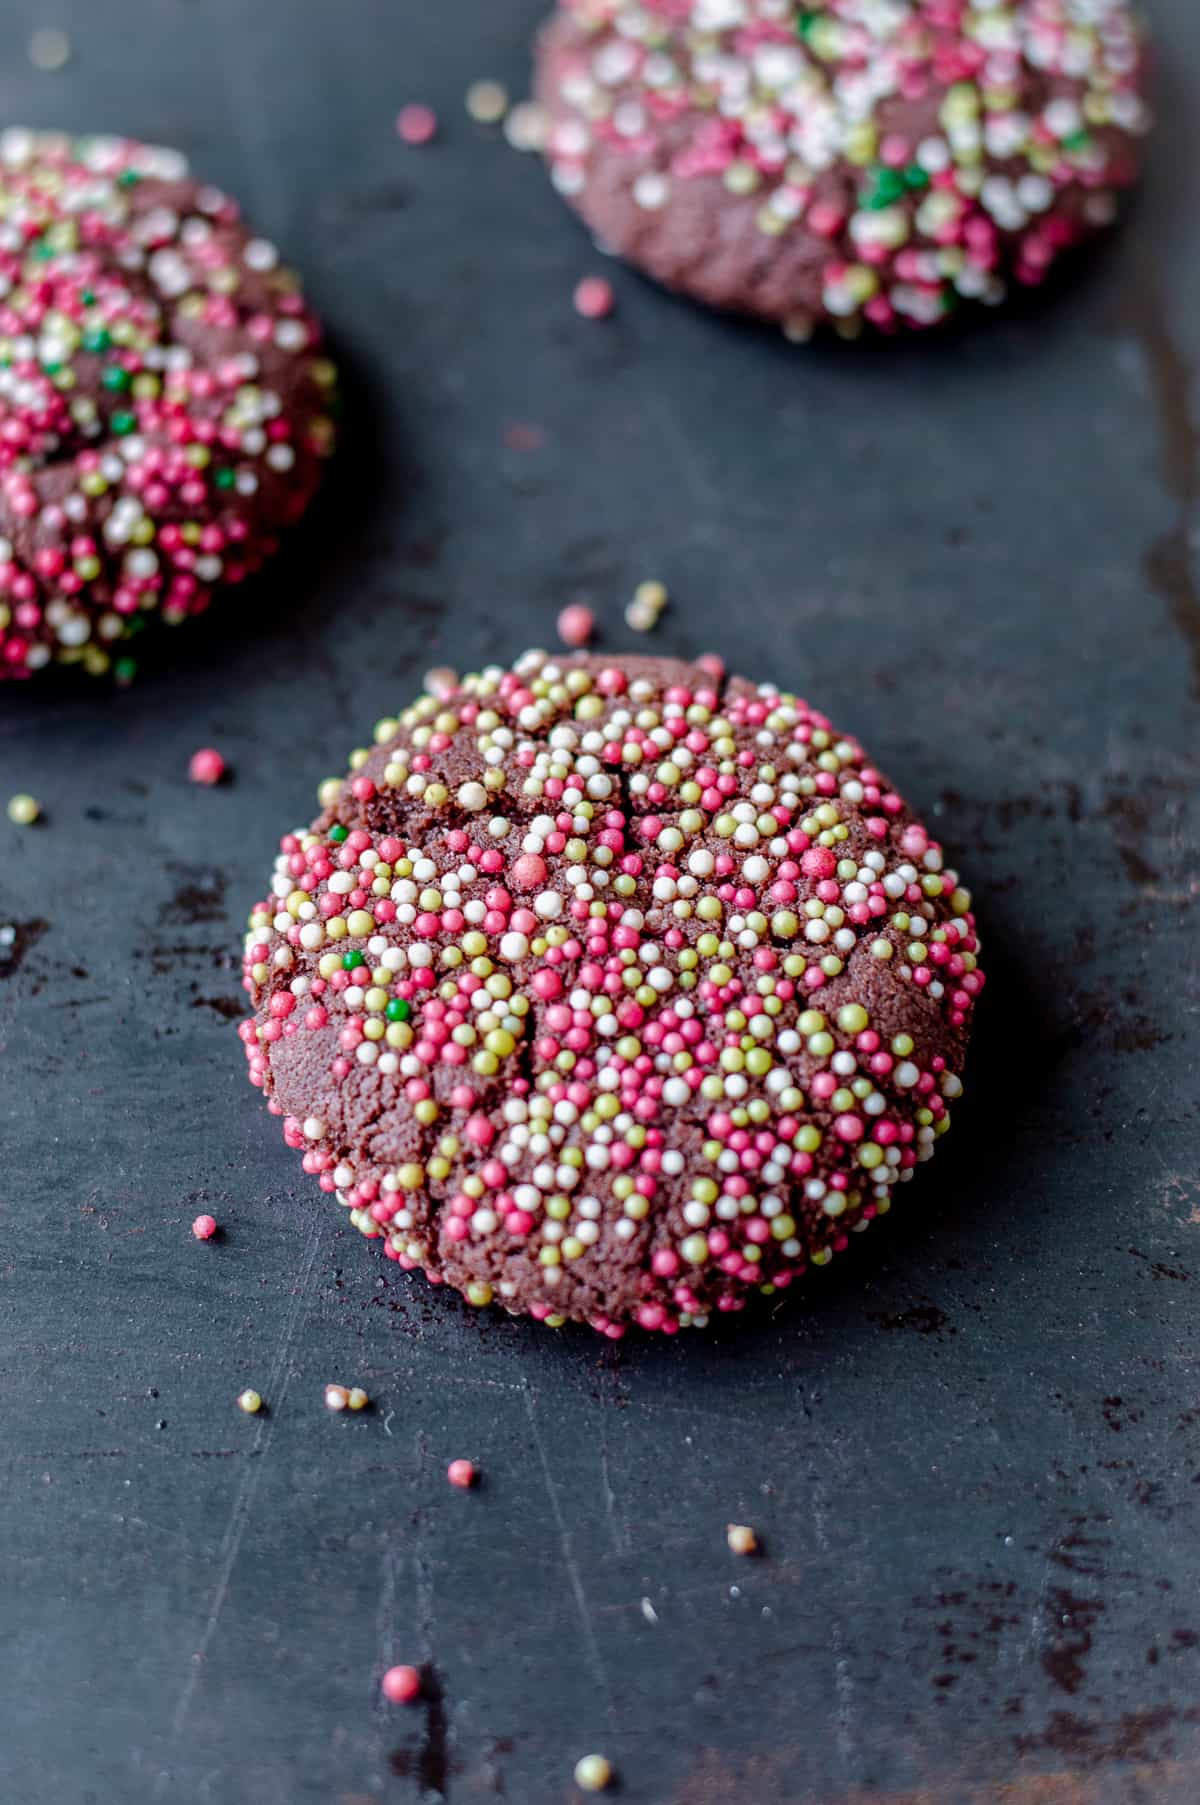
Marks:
<point>846,161</point>
<point>164,402</point>
<point>607,989</point>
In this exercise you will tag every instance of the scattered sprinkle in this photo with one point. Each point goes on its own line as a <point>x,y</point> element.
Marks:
<point>527,126</point>
<point>49,49</point>
<point>487,102</point>
<point>207,766</point>
<point>416,123</point>
<point>250,1402</point>
<point>401,1685</point>
<point>576,624</point>
<point>524,435</point>
<point>649,600</point>
<point>649,1612</point>
<point>24,810</point>
<point>741,1539</point>
<point>204,1227</point>
<point>462,1474</point>
<point>593,1773</point>
<point>341,1397</point>
<point>594,298</point>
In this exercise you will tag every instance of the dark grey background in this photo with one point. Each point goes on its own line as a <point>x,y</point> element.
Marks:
<point>971,1447</point>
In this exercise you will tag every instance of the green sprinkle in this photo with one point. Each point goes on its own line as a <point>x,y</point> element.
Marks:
<point>398,1010</point>
<point>122,423</point>
<point>916,177</point>
<point>125,670</point>
<point>128,178</point>
<point>1077,141</point>
<point>224,479</point>
<point>351,961</point>
<point>114,377</point>
<point>339,833</point>
<point>97,339</point>
<point>882,187</point>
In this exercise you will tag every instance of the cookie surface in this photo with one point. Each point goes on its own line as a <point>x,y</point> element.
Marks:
<point>850,161</point>
<point>604,989</point>
<point>164,404</point>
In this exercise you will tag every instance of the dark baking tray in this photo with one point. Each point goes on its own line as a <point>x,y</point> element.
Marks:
<point>970,1448</point>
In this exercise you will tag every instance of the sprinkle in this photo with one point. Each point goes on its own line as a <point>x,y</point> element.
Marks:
<point>527,126</point>
<point>401,1685</point>
<point>643,612</point>
<point>462,1474</point>
<point>416,123</point>
<point>336,1397</point>
<point>24,810</point>
<point>524,435</point>
<point>487,102</point>
<point>593,1773</point>
<point>440,680</point>
<point>207,766</point>
<point>594,298</point>
<point>250,1402</point>
<point>49,49</point>
<point>356,1398</point>
<point>204,1227</point>
<point>741,1539</point>
<point>576,624</point>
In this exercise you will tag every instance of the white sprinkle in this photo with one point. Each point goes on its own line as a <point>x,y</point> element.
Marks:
<point>49,49</point>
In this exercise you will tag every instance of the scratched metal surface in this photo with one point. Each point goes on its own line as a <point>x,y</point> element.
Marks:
<point>971,1449</point>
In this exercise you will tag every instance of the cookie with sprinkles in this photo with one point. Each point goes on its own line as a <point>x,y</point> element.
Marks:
<point>164,400</point>
<point>610,990</point>
<point>843,161</point>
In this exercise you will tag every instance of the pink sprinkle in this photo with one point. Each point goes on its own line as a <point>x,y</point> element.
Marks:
<point>206,766</point>
<point>594,298</point>
<point>401,1685</point>
<point>461,1473</point>
<point>576,624</point>
<point>416,123</point>
<point>529,872</point>
<point>523,435</point>
<point>204,1227</point>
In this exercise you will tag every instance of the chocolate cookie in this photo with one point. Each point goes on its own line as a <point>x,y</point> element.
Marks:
<point>848,161</point>
<point>607,989</point>
<point>164,404</point>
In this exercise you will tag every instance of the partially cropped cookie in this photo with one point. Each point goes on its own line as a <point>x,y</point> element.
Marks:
<point>846,161</point>
<point>164,401</point>
<point>606,989</point>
